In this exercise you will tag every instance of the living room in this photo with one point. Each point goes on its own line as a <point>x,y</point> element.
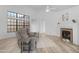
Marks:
<point>57,25</point>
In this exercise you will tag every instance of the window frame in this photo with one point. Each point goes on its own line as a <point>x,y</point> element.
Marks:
<point>19,23</point>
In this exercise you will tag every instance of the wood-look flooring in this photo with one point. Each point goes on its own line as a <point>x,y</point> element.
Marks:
<point>45,44</point>
<point>9,45</point>
<point>58,46</point>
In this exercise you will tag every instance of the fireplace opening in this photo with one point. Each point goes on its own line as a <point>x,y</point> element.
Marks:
<point>66,34</point>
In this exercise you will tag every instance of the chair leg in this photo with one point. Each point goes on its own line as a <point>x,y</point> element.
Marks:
<point>35,44</point>
<point>29,49</point>
<point>21,48</point>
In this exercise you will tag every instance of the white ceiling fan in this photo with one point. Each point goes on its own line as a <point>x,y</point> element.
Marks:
<point>48,9</point>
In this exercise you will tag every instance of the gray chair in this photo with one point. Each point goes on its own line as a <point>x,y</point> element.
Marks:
<point>26,40</point>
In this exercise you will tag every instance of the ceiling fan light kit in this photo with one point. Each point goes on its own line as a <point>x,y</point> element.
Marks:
<point>48,9</point>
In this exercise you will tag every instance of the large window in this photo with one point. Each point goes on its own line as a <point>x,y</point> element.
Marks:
<point>17,21</point>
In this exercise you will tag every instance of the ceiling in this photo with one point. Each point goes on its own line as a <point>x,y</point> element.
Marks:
<point>56,7</point>
<point>38,8</point>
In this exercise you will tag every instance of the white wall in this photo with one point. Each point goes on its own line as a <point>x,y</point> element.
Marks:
<point>38,24</point>
<point>48,20</point>
<point>35,25</point>
<point>3,17</point>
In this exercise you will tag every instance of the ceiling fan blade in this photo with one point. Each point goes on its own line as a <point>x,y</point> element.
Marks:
<point>47,9</point>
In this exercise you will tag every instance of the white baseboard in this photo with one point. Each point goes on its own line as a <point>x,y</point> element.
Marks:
<point>50,34</point>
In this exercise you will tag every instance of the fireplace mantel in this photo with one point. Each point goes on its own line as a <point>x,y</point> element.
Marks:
<point>66,28</point>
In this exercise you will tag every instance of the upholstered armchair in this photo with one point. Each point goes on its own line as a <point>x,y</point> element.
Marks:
<point>26,40</point>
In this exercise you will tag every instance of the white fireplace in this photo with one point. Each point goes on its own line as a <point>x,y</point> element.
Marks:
<point>74,29</point>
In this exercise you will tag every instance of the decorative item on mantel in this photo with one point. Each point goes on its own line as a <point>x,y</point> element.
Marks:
<point>62,17</point>
<point>73,20</point>
<point>65,17</point>
<point>58,23</point>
